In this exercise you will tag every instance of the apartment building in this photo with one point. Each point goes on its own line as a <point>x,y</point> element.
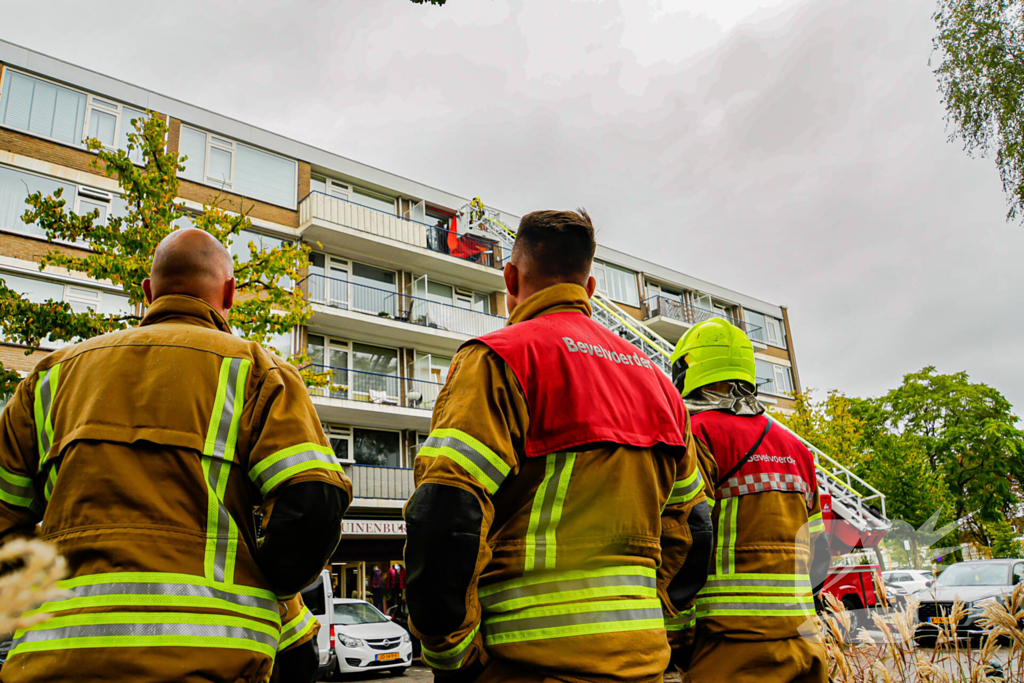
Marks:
<point>396,281</point>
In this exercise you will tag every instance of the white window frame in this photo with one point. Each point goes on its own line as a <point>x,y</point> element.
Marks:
<point>379,195</point>
<point>223,142</point>
<point>402,460</point>
<point>119,119</point>
<point>335,188</point>
<point>783,381</point>
<point>69,294</point>
<point>82,295</point>
<point>343,432</point>
<point>419,355</point>
<point>348,347</point>
<point>348,432</point>
<point>90,194</point>
<point>596,268</point>
<point>774,325</point>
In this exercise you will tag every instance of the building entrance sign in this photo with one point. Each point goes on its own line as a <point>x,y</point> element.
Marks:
<point>372,527</point>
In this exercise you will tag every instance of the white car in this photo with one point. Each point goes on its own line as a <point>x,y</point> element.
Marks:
<point>909,580</point>
<point>363,639</point>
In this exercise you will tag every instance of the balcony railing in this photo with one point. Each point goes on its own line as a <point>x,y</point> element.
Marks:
<point>376,388</point>
<point>388,483</point>
<point>351,296</point>
<point>383,224</point>
<point>671,307</point>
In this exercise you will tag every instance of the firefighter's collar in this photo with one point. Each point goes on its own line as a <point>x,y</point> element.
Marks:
<point>738,401</point>
<point>184,308</point>
<point>558,298</point>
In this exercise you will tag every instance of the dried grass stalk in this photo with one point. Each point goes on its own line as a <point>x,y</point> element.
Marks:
<point>33,581</point>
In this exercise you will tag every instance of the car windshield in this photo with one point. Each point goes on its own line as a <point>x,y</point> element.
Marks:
<point>347,613</point>
<point>975,575</point>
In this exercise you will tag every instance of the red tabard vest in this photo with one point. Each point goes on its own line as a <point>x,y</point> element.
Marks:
<point>781,462</point>
<point>584,385</point>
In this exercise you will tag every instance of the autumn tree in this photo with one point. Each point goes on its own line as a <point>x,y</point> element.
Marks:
<point>980,55</point>
<point>120,251</point>
<point>968,435</point>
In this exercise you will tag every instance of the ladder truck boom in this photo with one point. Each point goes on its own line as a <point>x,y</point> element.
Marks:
<point>855,517</point>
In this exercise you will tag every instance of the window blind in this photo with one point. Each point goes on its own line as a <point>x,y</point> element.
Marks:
<point>193,145</point>
<point>43,108</point>
<point>264,176</point>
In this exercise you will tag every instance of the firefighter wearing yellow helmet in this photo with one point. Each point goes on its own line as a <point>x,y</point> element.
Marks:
<point>770,552</point>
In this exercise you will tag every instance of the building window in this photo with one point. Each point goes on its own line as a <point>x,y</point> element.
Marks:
<point>431,367</point>
<point>373,200</point>
<point>52,111</point>
<point>776,332</point>
<point>242,169</point>
<point>449,295</point>
<point>359,372</point>
<point>329,186</point>
<point>616,283</point>
<point>774,379</point>
<point>377,447</point>
<point>771,331</point>
<point>110,123</point>
<point>81,298</point>
<point>16,186</point>
<point>340,439</point>
<point>43,108</point>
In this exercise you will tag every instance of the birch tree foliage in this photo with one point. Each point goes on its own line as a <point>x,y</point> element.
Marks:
<point>979,63</point>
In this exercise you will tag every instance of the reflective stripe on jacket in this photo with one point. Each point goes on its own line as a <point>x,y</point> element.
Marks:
<point>143,453</point>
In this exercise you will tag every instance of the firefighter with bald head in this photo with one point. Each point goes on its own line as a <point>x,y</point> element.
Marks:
<point>141,455</point>
<point>559,506</point>
<point>770,552</point>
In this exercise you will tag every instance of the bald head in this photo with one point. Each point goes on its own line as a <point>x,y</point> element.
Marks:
<point>192,262</point>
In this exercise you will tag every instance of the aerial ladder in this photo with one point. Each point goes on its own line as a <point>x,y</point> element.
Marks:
<point>854,510</point>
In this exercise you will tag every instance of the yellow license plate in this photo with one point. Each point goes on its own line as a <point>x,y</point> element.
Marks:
<point>388,656</point>
<point>941,620</point>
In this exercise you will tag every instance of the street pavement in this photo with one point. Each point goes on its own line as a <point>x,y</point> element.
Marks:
<point>422,673</point>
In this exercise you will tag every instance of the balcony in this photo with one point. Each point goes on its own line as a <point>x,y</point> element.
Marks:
<point>383,315</point>
<point>374,400</point>
<point>359,231</point>
<point>385,486</point>
<point>671,318</point>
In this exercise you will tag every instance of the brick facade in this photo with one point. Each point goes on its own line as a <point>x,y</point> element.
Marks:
<point>13,357</point>
<point>45,150</point>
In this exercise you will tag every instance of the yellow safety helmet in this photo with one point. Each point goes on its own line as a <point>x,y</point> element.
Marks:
<point>713,351</point>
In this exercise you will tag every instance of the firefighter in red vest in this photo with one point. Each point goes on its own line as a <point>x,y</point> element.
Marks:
<point>770,551</point>
<point>559,505</point>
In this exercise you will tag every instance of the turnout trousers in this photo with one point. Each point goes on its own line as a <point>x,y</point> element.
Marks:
<point>789,660</point>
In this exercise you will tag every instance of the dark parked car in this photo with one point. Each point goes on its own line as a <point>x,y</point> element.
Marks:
<point>975,584</point>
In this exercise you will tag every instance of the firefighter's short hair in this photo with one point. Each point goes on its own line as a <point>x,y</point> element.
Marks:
<point>559,244</point>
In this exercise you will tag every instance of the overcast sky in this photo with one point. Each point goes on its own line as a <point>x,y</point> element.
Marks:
<point>794,151</point>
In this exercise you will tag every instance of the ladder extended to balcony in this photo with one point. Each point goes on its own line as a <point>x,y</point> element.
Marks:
<point>854,501</point>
